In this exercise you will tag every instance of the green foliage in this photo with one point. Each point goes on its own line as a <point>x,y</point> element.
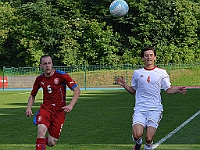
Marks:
<point>6,15</point>
<point>97,44</point>
<point>45,30</point>
<point>84,32</point>
<point>170,26</point>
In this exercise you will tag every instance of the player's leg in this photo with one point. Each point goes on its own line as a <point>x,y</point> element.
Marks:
<point>42,129</point>
<point>41,141</point>
<point>55,128</point>
<point>138,124</point>
<point>150,132</point>
<point>51,141</point>
<point>152,125</point>
<point>137,135</point>
<point>41,119</point>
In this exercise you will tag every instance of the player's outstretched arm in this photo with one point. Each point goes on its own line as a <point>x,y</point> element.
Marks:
<point>31,100</point>
<point>174,90</point>
<point>121,81</point>
<point>75,97</point>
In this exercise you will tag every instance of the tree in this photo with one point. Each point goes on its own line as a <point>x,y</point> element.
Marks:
<point>37,31</point>
<point>79,32</point>
<point>6,15</point>
<point>164,23</point>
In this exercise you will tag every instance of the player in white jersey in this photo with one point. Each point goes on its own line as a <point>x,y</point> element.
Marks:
<point>146,85</point>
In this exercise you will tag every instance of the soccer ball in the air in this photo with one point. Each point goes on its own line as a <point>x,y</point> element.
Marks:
<point>119,8</point>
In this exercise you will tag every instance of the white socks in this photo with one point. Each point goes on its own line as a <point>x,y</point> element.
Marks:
<point>148,146</point>
<point>139,141</point>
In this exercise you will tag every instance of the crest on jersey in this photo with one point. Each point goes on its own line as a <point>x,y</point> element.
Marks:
<point>148,79</point>
<point>39,118</point>
<point>56,80</point>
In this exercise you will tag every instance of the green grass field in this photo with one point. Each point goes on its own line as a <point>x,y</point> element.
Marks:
<point>101,120</point>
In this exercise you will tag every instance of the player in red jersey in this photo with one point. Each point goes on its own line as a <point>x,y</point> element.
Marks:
<point>51,115</point>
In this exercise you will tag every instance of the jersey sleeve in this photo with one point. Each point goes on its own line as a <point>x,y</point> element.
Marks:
<point>133,82</point>
<point>36,87</point>
<point>68,80</point>
<point>165,83</point>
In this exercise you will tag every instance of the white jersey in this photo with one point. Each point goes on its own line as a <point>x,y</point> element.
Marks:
<point>148,85</point>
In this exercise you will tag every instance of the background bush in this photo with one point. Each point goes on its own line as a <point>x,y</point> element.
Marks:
<point>84,32</point>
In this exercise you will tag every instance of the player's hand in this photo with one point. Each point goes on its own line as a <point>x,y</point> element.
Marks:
<point>67,109</point>
<point>182,90</point>
<point>120,80</point>
<point>29,113</point>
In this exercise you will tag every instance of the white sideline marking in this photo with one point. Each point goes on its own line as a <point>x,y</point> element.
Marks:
<point>175,130</point>
<point>21,93</point>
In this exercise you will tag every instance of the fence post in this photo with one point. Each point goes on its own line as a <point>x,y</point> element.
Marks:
<point>3,78</point>
<point>85,76</point>
<point>169,65</point>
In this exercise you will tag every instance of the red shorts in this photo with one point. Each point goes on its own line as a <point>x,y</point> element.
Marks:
<point>53,118</point>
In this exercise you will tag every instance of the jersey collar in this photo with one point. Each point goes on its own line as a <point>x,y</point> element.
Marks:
<point>150,69</point>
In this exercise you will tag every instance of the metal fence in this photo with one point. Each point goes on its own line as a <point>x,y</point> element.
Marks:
<point>99,76</point>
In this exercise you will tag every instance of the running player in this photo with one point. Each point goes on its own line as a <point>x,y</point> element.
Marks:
<point>146,85</point>
<point>51,115</point>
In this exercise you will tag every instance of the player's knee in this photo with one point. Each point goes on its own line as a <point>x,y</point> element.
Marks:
<point>52,142</point>
<point>41,133</point>
<point>42,130</point>
<point>137,134</point>
<point>137,130</point>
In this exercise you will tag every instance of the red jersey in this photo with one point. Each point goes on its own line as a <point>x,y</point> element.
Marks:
<point>54,88</point>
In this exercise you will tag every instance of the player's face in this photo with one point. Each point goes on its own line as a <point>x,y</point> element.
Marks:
<point>46,65</point>
<point>149,58</point>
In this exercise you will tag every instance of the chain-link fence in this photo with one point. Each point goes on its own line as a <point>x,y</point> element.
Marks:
<point>99,76</point>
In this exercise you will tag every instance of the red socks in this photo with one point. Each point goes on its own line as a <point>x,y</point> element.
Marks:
<point>41,143</point>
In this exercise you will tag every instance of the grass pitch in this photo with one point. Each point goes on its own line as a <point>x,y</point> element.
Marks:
<point>101,120</point>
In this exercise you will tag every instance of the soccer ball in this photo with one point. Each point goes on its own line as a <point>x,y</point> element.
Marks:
<point>119,8</point>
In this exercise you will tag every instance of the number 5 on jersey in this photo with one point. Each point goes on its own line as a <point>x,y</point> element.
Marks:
<point>49,89</point>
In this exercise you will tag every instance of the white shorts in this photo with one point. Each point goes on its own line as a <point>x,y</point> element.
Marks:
<point>147,118</point>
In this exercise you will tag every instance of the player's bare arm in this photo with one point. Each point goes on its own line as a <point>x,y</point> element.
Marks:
<point>31,100</point>
<point>121,81</point>
<point>75,97</point>
<point>174,90</point>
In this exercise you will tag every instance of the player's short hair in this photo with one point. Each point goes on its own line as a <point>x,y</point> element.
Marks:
<point>146,49</point>
<point>44,56</point>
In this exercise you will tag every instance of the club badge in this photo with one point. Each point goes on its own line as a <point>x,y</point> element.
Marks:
<point>39,118</point>
<point>56,80</point>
